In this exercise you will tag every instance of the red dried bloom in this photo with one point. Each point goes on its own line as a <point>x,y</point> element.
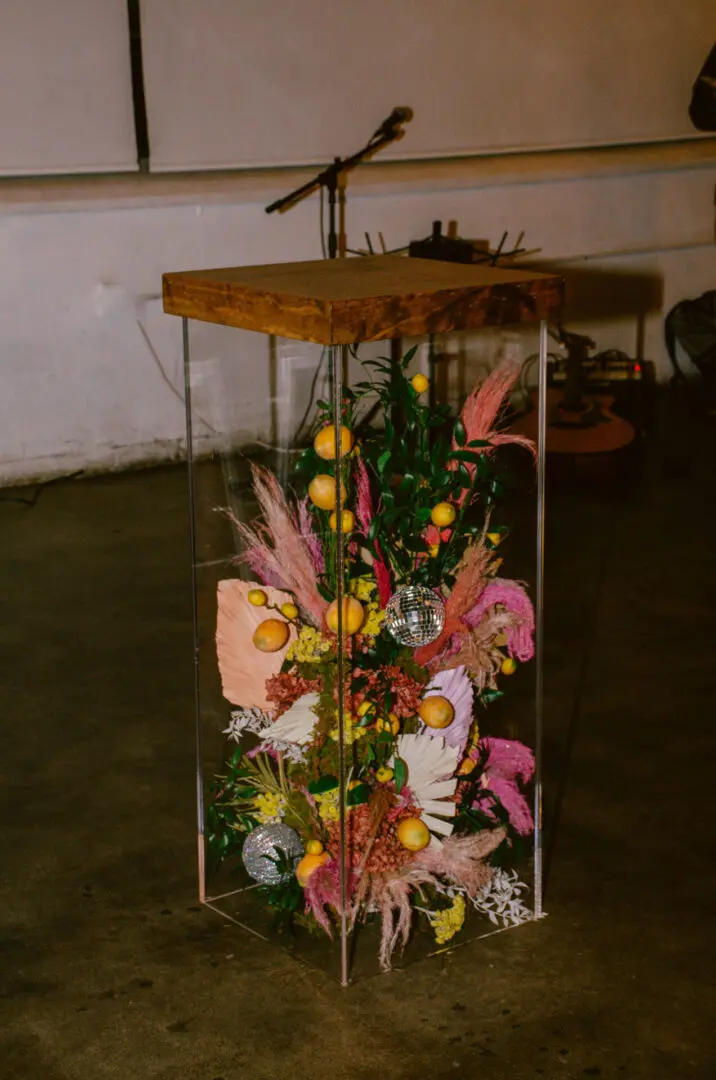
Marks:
<point>284,689</point>
<point>406,690</point>
<point>386,853</point>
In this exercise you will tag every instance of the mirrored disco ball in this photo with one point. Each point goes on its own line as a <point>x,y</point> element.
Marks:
<point>265,845</point>
<point>415,615</point>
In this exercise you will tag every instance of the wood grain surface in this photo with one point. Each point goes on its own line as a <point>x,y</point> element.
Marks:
<point>342,301</point>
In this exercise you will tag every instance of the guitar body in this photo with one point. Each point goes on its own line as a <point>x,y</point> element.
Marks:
<point>586,427</point>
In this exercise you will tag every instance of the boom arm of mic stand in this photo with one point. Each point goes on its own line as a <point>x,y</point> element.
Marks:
<point>328,177</point>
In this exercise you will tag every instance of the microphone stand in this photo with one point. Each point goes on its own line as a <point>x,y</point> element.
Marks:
<point>333,179</point>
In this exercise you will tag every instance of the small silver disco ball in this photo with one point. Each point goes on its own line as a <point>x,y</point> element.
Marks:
<point>267,844</point>
<point>415,615</point>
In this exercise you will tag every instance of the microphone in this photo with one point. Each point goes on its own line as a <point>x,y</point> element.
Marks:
<point>390,127</point>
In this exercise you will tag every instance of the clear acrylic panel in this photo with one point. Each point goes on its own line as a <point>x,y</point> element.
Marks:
<point>368,694</point>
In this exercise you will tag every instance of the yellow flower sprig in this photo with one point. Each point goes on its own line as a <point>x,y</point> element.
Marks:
<point>449,921</point>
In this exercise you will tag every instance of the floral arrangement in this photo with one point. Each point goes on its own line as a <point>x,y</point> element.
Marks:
<point>391,701</point>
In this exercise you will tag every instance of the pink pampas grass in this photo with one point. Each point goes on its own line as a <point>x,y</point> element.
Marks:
<point>461,859</point>
<point>469,582</point>
<point>390,893</point>
<point>278,547</point>
<point>323,891</point>
<point>481,411</point>
<point>309,537</point>
<point>364,515</point>
<point>364,499</point>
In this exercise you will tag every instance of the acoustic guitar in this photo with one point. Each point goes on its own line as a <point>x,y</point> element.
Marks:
<point>577,422</point>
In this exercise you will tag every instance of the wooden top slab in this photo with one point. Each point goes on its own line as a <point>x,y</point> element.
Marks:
<point>344,301</point>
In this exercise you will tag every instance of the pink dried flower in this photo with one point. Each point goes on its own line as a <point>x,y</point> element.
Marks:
<point>520,626</point>
<point>508,762</point>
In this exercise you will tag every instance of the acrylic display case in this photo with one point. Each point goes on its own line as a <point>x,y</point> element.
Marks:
<point>367,570</point>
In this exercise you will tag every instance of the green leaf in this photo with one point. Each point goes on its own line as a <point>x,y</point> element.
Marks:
<point>400,774</point>
<point>465,455</point>
<point>384,737</point>
<point>407,485</point>
<point>323,784</point>
<point>479,442</point>
<point>324,591</point>
<point>465,478</point>
<point>373,528</point>
<point>409,356</point>
<point>415,543</point>
<point>459,433</point>
<point>358,795</point>
<point>383,461</point>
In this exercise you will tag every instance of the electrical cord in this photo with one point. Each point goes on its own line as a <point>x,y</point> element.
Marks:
<point>31,501</point>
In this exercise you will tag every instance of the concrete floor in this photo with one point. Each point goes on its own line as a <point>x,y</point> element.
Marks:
<point>110,969</point>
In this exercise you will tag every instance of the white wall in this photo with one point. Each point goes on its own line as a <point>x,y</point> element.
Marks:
<point>277,82</point>
<point>80,388</point>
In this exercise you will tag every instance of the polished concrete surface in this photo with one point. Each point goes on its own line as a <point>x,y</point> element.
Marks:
<point>111,970</point>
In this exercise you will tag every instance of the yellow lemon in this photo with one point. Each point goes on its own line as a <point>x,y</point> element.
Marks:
<point>383,774</point>
<point>352,615</point>
<point>308,865</point>
<point>442,514</point>
<point>314,847</point>
<point>322,491</point>
<point>347,521</point>
<point>436,711</point>
<point>257,597</point>
<point>494,538</point>
<point>392,724</point>
<point>289,611</point>
<point>325,442</point>
<point>419,383</point>
<point>271,635</point>
<point>413,834</point>
<point>509,666</point>
<point>466,766</point>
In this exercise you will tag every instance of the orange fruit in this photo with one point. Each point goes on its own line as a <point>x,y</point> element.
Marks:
<point>270,635</point>
<point>257,597</point>
<point>348,521</point>
<point>352,615</point>
<point>325,442</point>
<point>308,865</point>
<point>436,711</point>
<point>322,492</point>
<point>419,383</point>
<point>443,514</point>
<point>509,666</point>
<point>413,834</point>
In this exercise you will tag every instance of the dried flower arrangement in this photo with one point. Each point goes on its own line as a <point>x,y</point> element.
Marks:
<point>427,629</point>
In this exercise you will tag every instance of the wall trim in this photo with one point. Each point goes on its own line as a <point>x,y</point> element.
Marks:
<point>62,194</point>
